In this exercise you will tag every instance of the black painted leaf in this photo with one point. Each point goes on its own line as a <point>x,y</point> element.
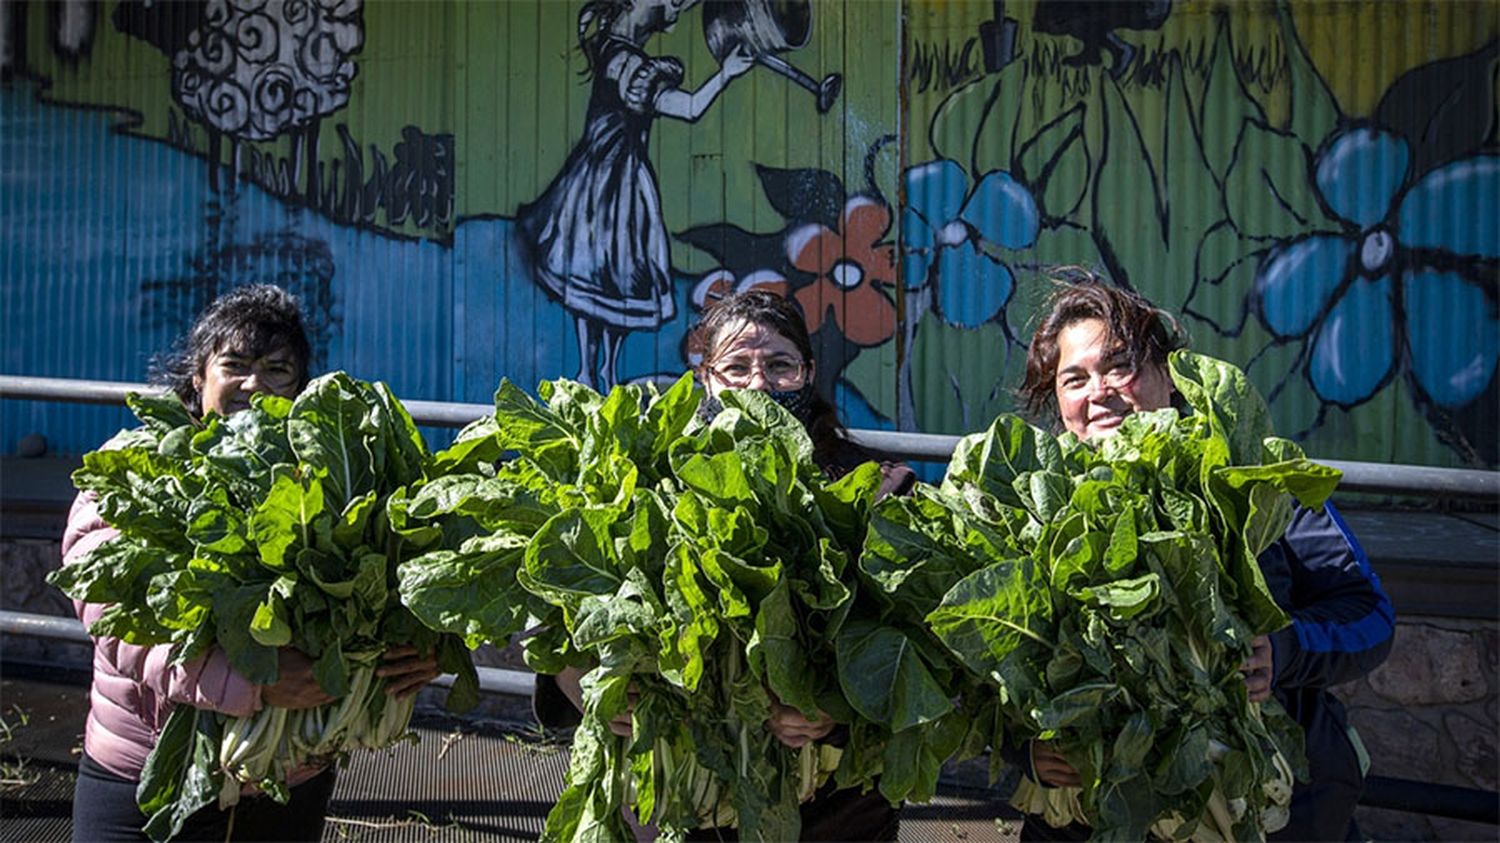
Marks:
<point>736,249</point>
<point>806,195</point>
<point>1055,162</point>
<point>1444,109</point>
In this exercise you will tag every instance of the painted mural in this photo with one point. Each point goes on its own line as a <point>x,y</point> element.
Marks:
<point>462,192</point>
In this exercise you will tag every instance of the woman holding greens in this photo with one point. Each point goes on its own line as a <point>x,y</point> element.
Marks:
<point>758,340</point>
<point>247,341</point>
<point>1099,355</point>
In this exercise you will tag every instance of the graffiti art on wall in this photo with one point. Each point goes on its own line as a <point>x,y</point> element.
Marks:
<point>1211,167</point>
<point>595,239</point>
<point>1317,199</point>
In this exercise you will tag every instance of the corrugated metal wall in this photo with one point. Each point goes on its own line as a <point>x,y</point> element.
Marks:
<point>1312,186</point>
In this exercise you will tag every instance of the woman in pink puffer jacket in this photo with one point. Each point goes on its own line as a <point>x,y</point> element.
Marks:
<point>249,340</point>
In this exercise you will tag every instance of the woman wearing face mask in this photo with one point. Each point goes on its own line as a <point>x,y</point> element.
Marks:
<point>1099,355</point>
<point>247,341</point>
<point>758,340</point>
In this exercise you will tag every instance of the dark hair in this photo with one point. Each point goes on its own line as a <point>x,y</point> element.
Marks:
<point>255,319</point>
<point>594,21</point>
<point>772,312</point>
<point>1144,333</point>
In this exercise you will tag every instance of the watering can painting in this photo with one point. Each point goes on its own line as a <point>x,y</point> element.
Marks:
<point>766,28</point>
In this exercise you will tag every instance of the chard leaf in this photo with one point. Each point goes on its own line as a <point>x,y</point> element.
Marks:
<point>110,570</point>
<point>234,612</point>
<point>161,777</point>
<point>914,551</point>
<point>632,610</point>
<point>784,660</point>
<point>536,431</point>
<point>767,420</point>
<point>1123,548</point>
<point>993,460</point>
<point>332,426</point>
<point>470,594</point>
<point>1185,761</point>
<point>998,622</point>
<point>405,450</point>
<point>913,759</point>
<point>1075,704</point>
<point>1045,493</point>
<point>1221,392</point>
<point>349,529</point>
<point>161,412</point>
<point>1126,809</point>
<point>244,452</point>
<point>571,557</point>
<point>1125,599</point>
<point>214,525</point>
<point>669,415</point>
<point>694,624</point>
<point>285,517</point>
<point>720,478</point>
<point>268,625</point>
<point>1310,483</point>
<point>332,672</point>
<point>476,447</point>
<point>885,679</point>
<point>198,781</point>
<point>1131,746</point>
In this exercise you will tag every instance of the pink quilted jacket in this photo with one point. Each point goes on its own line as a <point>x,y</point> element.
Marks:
<point>135,687</point>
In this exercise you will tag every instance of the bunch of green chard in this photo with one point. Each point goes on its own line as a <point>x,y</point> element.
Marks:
<point>1103,597</point>
<point>693,568</point>
<point>261,530</point>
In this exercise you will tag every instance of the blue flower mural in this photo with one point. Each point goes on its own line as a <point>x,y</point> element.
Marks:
<point>945,224</point>
<point>1409,274</point>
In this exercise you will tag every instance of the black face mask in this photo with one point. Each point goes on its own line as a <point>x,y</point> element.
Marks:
<point>798,402</point>
<point>709,408</point>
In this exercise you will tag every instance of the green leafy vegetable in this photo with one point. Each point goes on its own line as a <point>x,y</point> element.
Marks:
<point>254,532</point>
<point>695,570</point>
<point>1103,599</point>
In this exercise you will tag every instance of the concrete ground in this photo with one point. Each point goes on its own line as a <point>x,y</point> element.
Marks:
<point>484,779</point>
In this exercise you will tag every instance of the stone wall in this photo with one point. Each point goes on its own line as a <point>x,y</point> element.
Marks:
<point>24,565</point>
<point>1429,714</point>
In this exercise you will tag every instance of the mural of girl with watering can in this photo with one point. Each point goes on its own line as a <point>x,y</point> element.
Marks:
<point>595,239</point>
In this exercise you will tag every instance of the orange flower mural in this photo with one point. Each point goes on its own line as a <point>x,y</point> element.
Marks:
<point>851,267</point>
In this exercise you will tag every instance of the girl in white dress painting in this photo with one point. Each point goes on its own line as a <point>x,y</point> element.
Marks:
<point>595,238</point>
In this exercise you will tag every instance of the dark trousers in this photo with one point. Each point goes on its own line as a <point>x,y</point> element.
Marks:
<point>105,811</point>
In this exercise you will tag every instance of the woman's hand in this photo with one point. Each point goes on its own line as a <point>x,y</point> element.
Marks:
<point>1052,768</point>
<point>569,681</point>
<point>406,671</point>
<point>737,62</point>
<point>1258,669</point>
<point>622,723</point>
<point>792,728</point>
<point>296,687</point>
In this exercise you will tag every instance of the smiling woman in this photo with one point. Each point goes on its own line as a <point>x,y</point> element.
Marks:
<point>1099,355</point>
<point>248,341</point>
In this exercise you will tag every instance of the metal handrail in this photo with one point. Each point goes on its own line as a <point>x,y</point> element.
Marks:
<point>494,680</point>
<point>1359,477</point>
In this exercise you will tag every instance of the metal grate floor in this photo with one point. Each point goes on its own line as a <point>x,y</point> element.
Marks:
<point>464,786</point>
<point>448,787</point>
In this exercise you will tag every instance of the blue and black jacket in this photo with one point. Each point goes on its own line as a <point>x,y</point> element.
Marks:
<point>1342,627</point>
